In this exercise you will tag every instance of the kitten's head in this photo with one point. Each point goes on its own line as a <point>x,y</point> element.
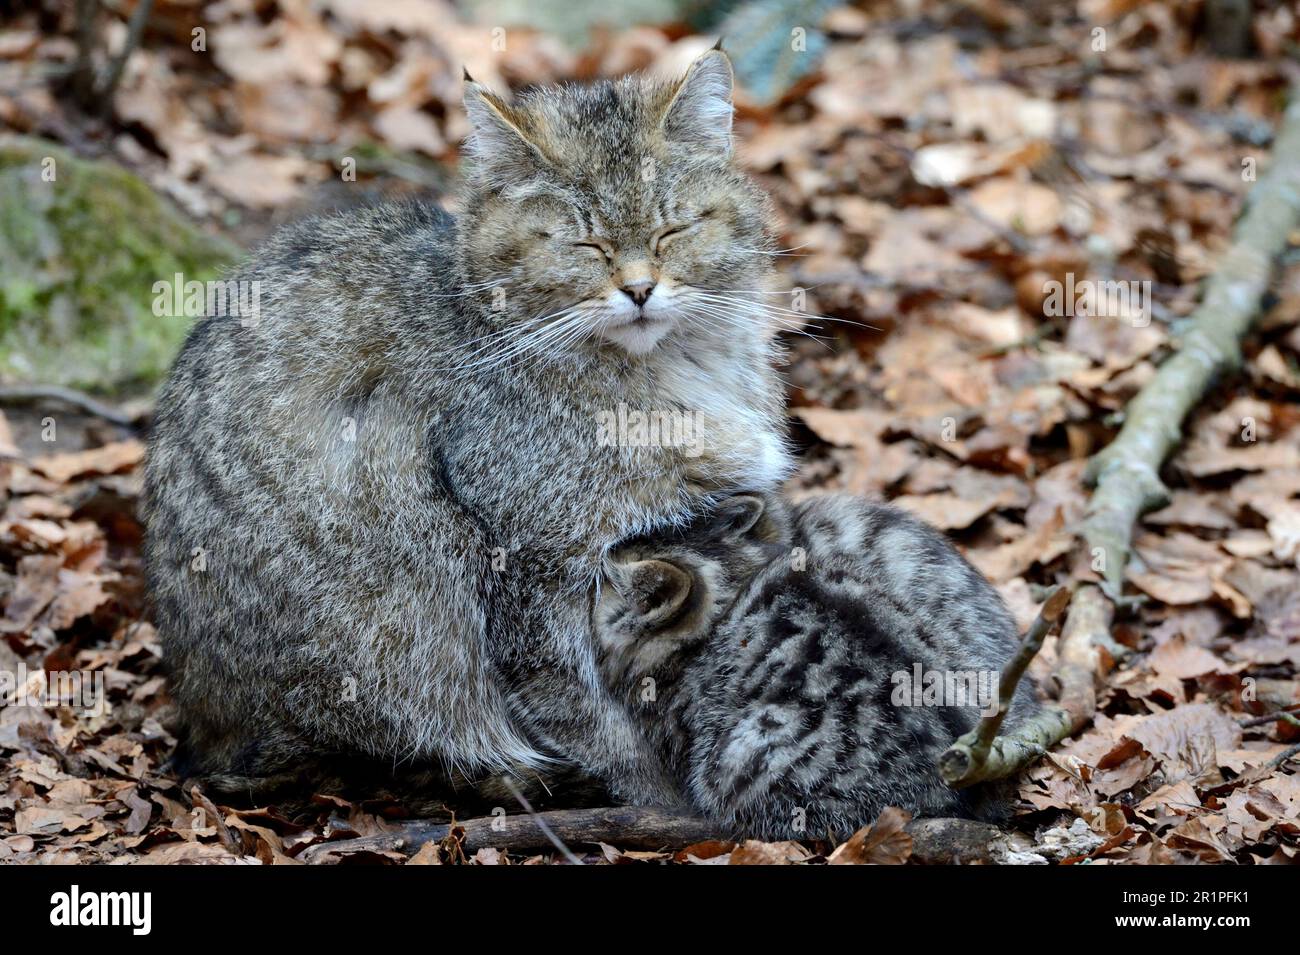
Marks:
<point>612,213</point>
<point>664,593</point>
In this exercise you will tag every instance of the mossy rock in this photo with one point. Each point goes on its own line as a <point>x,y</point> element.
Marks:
<point>82,244</point>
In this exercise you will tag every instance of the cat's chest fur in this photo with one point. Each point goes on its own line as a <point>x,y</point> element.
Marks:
<point>618,453</point>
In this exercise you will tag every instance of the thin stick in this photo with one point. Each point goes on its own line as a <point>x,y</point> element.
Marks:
<point>629,826</point>
<point>1283,756</point>
<point>1269,717</point>
<point>981,754</point>
<point>134,33</point>
<point>83,76</point>
<point>937,841</point>
<point>19,394</point>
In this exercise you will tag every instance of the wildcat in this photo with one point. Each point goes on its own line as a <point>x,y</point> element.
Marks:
<point>374,508</point>
<point>764,648</point>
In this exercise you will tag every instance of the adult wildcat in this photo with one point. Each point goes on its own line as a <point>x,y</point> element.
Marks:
<point>770,653</point>
<point>375,507</point>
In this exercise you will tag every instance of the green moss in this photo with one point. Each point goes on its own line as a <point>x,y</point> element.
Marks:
<point>81,245</point>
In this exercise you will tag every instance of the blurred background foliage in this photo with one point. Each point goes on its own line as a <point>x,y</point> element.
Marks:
<point>182,129</point>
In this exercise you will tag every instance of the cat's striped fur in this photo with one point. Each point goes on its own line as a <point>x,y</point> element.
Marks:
<point>374,510</point>
<point>761,650</point>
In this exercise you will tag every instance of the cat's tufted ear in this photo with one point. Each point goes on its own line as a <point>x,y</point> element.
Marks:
<point>656,590</point>
<point>499,151</point>
<point>699,114</point>
<point>738,515</point>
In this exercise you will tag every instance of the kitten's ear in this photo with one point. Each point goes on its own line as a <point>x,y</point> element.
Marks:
<point>656,590</point>
<point>699,114</point>
<point>499,151</point>
<point>738,514</point>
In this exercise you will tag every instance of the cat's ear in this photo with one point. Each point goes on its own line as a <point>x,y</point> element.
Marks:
<point>500,152</point>
<point>699,114</point>
<point>656,590</point>
<point>738,515</point>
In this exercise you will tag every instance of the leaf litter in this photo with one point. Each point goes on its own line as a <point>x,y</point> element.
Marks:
<point>931,188</point>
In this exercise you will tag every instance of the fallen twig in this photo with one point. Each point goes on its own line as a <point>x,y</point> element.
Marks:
<point>981,754</point>
<point>19,394</point>
<point>1282,714</point>
<point>1283,756</point>
<point>934,841</point>
<point>1125,474</point>
<point>134,33</point>
<point>625,825</point>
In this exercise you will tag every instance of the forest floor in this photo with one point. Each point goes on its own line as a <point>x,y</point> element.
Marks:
<point>933,178</point>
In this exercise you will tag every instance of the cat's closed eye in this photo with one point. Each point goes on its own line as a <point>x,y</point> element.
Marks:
<point>600,248</point>
<point>664,235</point>
<point>676,229</point>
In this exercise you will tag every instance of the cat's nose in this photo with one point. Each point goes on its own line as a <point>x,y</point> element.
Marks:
<point>638,291</point>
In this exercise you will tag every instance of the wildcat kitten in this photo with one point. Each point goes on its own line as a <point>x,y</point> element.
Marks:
<point>374,508</point>
<point>770,652</point>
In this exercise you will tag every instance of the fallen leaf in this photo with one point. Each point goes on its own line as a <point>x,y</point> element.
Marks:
<point>107,459</point>
<point>884,842</point>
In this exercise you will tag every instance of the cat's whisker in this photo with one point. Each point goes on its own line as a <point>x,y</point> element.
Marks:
<point>519,348</point>
<point>532,326</point>
<point>792,252</point>
<point>777,310</point>
<point>723,308</point>
<point>580,332</point>
<point>743,321</point>
<point>744,305</point>
<point>541,342</point>
<point>510,329</point>
<point>768,291</point>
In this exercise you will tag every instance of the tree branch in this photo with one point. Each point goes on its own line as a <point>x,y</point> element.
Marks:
<point>934,841</point>
<point>629,826</point>
<point>1125,474</point>
<point>134,33</point>
<point>28,394</point>
<point>983,755</point>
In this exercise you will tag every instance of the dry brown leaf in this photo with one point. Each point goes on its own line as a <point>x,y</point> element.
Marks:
<point>1014,204</point>
<point>1201,460</point>
<point>7,447</point>
<point>1180,660</point>
<point>884,842</point>
<point>405,128</point>
<point>1195,836</point>
<point>37,585</point>
<point>1187,740</point>
<point>107,459</point>
<point>1041,546</point>
<point>429,854</point>
<point>945,511</point>
<point>752,852</point>
<point>856,428</point>
<point>260,180</point>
